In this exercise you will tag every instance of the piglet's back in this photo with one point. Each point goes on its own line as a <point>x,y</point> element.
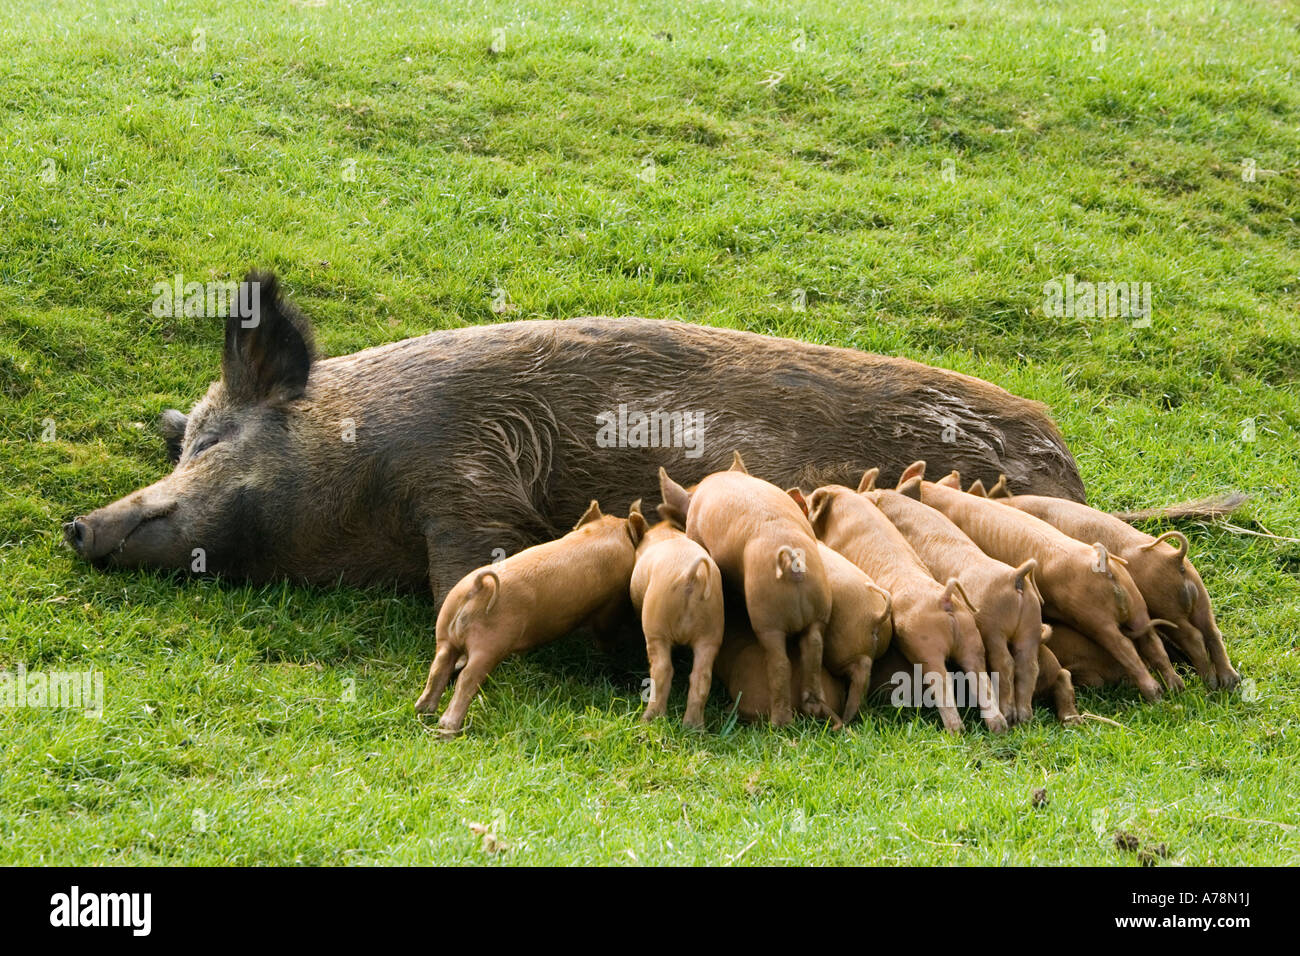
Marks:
<point>730,508</point>
<point>1080,521</point>
<point>552,588</point>
<point>857,529</point>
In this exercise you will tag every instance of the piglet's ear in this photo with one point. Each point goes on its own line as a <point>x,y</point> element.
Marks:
<point>636,527</point>
<point>268,351</point>
<point>591,514</point>
<point>911,488</point>
<point>818,505</point>
<point>676,500</point>
<point>915,470</point>
<point>799,499</point>
<point>738,463</point>
<point>868,482</point>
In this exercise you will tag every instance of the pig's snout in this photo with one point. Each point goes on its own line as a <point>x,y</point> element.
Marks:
<point>96,536</point>
<point>79,536</point>
<point>93,537</point>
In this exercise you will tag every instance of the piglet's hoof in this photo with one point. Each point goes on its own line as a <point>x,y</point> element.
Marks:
<point>449,731</point>
<point>996,724</point>
<point>1151,691</point>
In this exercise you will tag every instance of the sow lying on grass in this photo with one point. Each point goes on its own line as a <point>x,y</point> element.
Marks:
<point>494,437</point>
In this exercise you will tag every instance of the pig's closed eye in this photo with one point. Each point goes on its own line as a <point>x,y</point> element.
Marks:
<point>203,445</point>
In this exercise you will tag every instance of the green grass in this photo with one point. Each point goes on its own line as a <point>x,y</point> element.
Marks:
<point>229,735</point>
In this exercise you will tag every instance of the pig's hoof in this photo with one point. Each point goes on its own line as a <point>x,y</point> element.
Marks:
<point>426,705</point>
<point>695,726</point>
<point>996,724</point>
<point>1072,720</point>
<point>1151,691</point>
<point>781,718</point>
<point>447,731</point>
<point>1230,680</point>
<point>1177,685</point>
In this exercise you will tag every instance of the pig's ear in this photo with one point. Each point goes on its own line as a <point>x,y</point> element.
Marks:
<point>911,488</point>
<point>799,499</point>
<point>591,514</point>
<point>738,463</point>
<point>818,505</point>
<point>636,527</point>
<point>172,425</point>
<point>677,500</point>
<point>268,350</point>
<point>977,489</point>
<point>951,480</point>
<point>1000,490</point>
<point>868,482</point>
<point>915,470</point>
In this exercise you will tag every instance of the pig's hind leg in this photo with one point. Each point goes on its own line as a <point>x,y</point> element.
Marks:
<point>484,656</point>
<point>778,675</point>
<point>1000,662</point>
<point>704,651</point>
<point>975,669</point>
<point>1191,644</point>
<point>659,651</point>
<point>1110,639</point>
<point>1055,681</point>
<point>813,702</point>
<point>1152,651</point>
<point>440,671</point>
<point>859,674</point>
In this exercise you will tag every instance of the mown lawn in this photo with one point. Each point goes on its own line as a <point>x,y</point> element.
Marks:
<point>919,169</point>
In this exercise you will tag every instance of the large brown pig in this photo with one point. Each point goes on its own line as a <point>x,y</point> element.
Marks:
<point>420,460</point>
